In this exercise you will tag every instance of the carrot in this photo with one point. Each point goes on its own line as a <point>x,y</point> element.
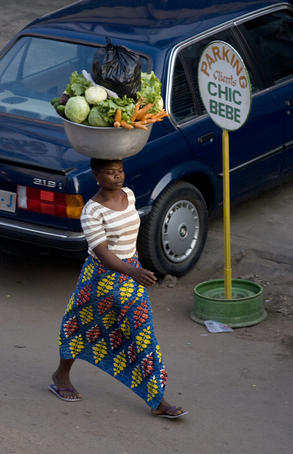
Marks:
<point>151,120</point>
<point>139,125</point>
<point>118,115</point>
<point>117,124</point>
<point>142,120</point>
<point>143,111</point>
<point>126,125</point>
<point>136,109</point>
<point>160,114</point>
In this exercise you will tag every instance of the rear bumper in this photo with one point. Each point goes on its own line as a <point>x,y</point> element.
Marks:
<point>43,236</point>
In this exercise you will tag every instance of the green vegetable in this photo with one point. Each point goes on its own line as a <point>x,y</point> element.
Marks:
<point>108,108</point>
<point>95,118</point>
<point>61,110</point>
<point>150,91</point>
<point>95,94</point>
<point>75,101</point>
<point>55,100</point>
<point>77,85</point>
<point>77,109</point>
<point>161,103</point>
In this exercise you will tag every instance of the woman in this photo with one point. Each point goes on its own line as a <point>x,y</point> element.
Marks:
<point>108,320</point>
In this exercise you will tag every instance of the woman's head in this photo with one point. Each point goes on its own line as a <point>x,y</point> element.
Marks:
<point>108,173</point>
<point>97,164</point>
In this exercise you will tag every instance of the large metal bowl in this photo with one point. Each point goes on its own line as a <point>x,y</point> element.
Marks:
<point>106,143</point>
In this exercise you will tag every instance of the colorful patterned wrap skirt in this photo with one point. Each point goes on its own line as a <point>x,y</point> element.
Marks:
<point>108,322</point>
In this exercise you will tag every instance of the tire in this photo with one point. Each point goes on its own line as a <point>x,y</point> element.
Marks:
<point>173,236</point>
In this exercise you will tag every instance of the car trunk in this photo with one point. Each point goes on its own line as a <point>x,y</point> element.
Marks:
<point>28,160</point>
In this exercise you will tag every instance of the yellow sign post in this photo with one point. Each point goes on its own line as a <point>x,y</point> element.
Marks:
<point>226,213</point>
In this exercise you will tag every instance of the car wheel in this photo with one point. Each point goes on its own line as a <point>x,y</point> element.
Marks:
<point>172,238</point>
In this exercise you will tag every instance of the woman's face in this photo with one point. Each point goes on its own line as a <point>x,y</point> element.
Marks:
<point>111,176</point>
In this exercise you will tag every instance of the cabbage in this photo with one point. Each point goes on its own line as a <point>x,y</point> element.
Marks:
<point>95,94</point>
<point>77,109</point>
<point>150,91</point>
<point>96,119</point>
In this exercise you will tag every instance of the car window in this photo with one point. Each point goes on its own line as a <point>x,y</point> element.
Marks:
<point>271,36</point>
<point>35,70</point>
<point>37,61</point>
<point>186,102</point>
<point>183,106</point>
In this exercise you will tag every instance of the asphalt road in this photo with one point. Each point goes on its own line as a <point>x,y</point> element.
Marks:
<point>237,386</point>
<point>15,14</point>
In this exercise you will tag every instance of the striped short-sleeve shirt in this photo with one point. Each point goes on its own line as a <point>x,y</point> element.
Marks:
<point>118,228</point>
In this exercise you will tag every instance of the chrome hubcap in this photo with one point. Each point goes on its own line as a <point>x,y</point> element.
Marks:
<point>180,231</point>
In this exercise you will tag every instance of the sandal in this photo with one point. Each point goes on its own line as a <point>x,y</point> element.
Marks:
<point>170,412</point>
<point>57,391</point>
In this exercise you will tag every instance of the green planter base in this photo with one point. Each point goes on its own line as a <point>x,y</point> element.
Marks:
<point>244,309</point>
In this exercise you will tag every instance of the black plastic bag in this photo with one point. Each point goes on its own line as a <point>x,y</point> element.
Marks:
<point>118,69</point>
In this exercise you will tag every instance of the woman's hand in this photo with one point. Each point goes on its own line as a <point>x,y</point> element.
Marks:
<point>109,260</point>
<point>143,277</point>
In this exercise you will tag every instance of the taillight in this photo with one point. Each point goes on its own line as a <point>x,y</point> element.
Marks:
<point>49,202</point>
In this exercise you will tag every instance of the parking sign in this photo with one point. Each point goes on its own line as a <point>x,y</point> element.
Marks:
<point>224,85</point>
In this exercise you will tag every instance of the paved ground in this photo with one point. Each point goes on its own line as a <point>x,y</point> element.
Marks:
<point>237,386</point>
<point>15,14</point>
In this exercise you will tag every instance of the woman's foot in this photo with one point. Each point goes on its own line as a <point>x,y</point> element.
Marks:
<point>166,410</point>
<point>63,388</point>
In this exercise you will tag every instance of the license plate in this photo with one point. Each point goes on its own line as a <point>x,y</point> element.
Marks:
<point>7,201</point>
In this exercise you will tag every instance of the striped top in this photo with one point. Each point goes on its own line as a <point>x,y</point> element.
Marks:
<point>118,228</point>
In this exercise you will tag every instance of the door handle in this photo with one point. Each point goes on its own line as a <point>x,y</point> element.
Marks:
<point>206,138</point>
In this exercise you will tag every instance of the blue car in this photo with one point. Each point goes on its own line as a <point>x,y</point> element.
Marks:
<point>177,177</point>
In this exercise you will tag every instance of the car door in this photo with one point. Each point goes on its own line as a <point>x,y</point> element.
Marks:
<point>255,149</point>
<point>271,38</point>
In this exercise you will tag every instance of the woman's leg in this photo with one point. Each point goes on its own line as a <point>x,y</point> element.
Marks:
<point>61,379</point>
